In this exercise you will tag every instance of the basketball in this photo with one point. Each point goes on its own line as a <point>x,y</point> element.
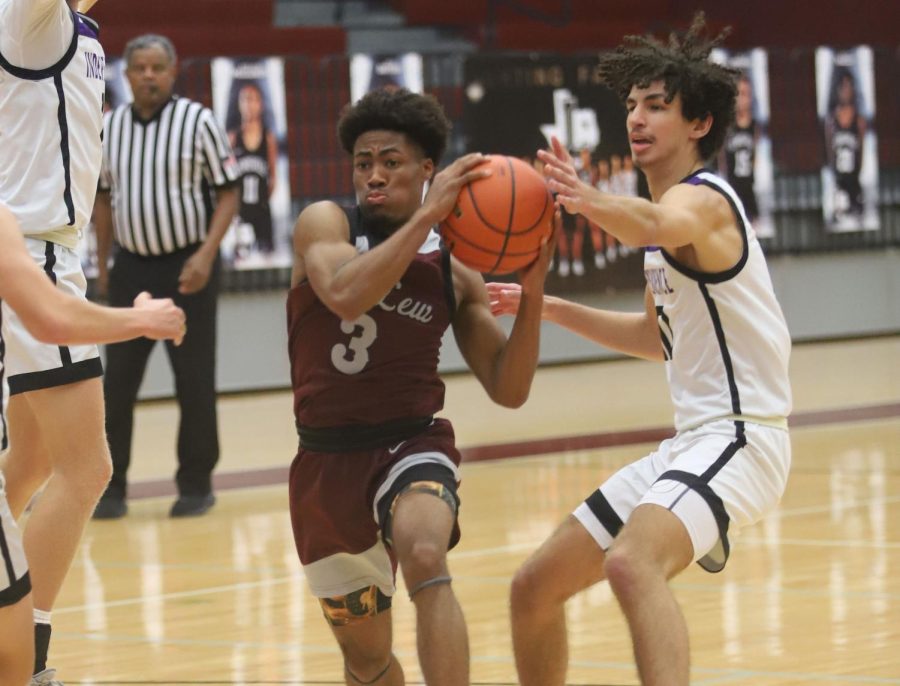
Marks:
<point>498,222</point>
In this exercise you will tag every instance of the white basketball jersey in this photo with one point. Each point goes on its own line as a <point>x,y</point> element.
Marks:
<point>724,336</point>
<point>50,134</point>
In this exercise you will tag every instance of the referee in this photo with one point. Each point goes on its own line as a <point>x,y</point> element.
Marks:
<point>168,192</point>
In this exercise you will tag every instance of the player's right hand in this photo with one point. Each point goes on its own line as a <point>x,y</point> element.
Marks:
<point>446,184</point>
<point>162,318</point>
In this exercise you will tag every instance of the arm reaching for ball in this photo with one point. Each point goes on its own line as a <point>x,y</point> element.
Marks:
<point>632,333</point>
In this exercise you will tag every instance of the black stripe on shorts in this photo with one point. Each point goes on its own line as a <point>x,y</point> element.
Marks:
<point>60,376</point>
<point>604,512</point>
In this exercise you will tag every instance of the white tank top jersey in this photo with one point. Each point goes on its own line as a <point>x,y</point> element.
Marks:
<point>50,119</point>
<point>725,340</point>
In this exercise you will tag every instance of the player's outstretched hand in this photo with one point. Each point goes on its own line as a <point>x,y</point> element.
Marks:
<point>504,297</point>
<point>162,318</point>
<point>571,192</point>
<point>446,184</point>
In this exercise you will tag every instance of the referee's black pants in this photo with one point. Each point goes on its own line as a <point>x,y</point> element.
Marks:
<point>193,365</point>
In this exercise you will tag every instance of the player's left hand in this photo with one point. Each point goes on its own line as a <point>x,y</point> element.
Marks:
<point>504,297</point>
<point>195,273</point>
<point>571,192</point>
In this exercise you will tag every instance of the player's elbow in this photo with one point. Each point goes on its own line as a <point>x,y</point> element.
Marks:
<point>345,306</point>
<point>512,398</point>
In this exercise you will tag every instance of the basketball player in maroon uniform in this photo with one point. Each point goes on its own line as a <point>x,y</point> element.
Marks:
<point>374,483</point>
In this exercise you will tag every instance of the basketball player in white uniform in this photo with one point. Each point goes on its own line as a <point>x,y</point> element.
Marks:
<point>712,316</point>
<point>54,317</point>
<point>51,97</point>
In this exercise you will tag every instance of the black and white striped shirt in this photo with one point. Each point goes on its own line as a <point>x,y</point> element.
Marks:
<point>159,174</point>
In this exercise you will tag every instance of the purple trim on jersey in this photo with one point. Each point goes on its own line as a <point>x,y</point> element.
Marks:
<point>652,248</point>
<point>87,27</point>
<point>693,179</point>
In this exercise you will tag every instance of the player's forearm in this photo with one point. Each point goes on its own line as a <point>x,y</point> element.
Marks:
<point>362,282</point>
<point>626,332</point>
<point>227,203</point>
<point>55,317</point>
<point>636,222</point>
<point>517,362</point>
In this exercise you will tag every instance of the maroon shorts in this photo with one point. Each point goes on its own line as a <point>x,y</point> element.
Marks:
<point>340,500</point>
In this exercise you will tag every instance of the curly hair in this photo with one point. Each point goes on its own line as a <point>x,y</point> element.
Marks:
<point>683,63</point>
<point>420,117</point>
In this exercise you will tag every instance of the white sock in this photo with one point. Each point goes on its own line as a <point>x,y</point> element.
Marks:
<point>41,616</point>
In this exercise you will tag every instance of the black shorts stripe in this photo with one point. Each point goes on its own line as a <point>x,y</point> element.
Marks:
<point>17,590</point>
<point>705,491</point>
<point>700,485</point>
<point>7,556</point>
<point>605,514</point>
<point>49,264</point>
<point>61,376</point>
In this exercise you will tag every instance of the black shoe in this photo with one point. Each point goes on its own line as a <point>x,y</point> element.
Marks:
<point>192,505</point>
<point>110,507</point>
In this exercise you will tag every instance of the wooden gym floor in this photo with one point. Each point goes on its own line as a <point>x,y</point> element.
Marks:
<point>811,594</point>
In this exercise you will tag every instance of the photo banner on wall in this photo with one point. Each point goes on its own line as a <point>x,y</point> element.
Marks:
<point>371,72</point>
<point>746,157</point>
<point>846,107</point>
<point>514,104</point>
<point>249,103</point>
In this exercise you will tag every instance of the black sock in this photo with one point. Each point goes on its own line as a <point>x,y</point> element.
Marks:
<point>41,646</point>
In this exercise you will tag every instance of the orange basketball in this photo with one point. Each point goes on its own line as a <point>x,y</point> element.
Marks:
<point>498,223</point>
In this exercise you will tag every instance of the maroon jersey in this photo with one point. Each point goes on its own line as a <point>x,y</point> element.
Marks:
<point>382,367</point>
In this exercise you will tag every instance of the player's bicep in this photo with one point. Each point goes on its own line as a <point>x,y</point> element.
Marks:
<point>686,213</point>
<point>321,245</point>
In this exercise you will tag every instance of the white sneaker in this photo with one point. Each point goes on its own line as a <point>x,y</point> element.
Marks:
<point>578,268</point>
<point>563,269</point>
<point>46,678</point>
<point>611,253</point>
<point>599,260</point>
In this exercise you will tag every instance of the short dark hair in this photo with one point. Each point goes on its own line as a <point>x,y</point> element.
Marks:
<point>683,63</point>
<point>420,117</point>
<point>148,40</point>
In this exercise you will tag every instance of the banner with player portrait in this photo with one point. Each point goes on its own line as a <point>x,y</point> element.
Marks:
<point>846,108</point>
<point>746,157</point>
<point>514,104</point>
<point>371,72</point>
<point>249,102</point>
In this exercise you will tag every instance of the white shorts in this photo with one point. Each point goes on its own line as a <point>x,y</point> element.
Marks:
<point>32,365</point>
<point>722,474</point>
<point>15,583</point>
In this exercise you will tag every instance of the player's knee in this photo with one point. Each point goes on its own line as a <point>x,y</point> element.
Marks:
<point>529,591</point>
<point>89,471</point>
<point>423,559</point>
<point>626,570</point>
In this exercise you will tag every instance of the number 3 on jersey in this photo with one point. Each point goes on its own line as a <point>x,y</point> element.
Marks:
<point>354,356</point>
